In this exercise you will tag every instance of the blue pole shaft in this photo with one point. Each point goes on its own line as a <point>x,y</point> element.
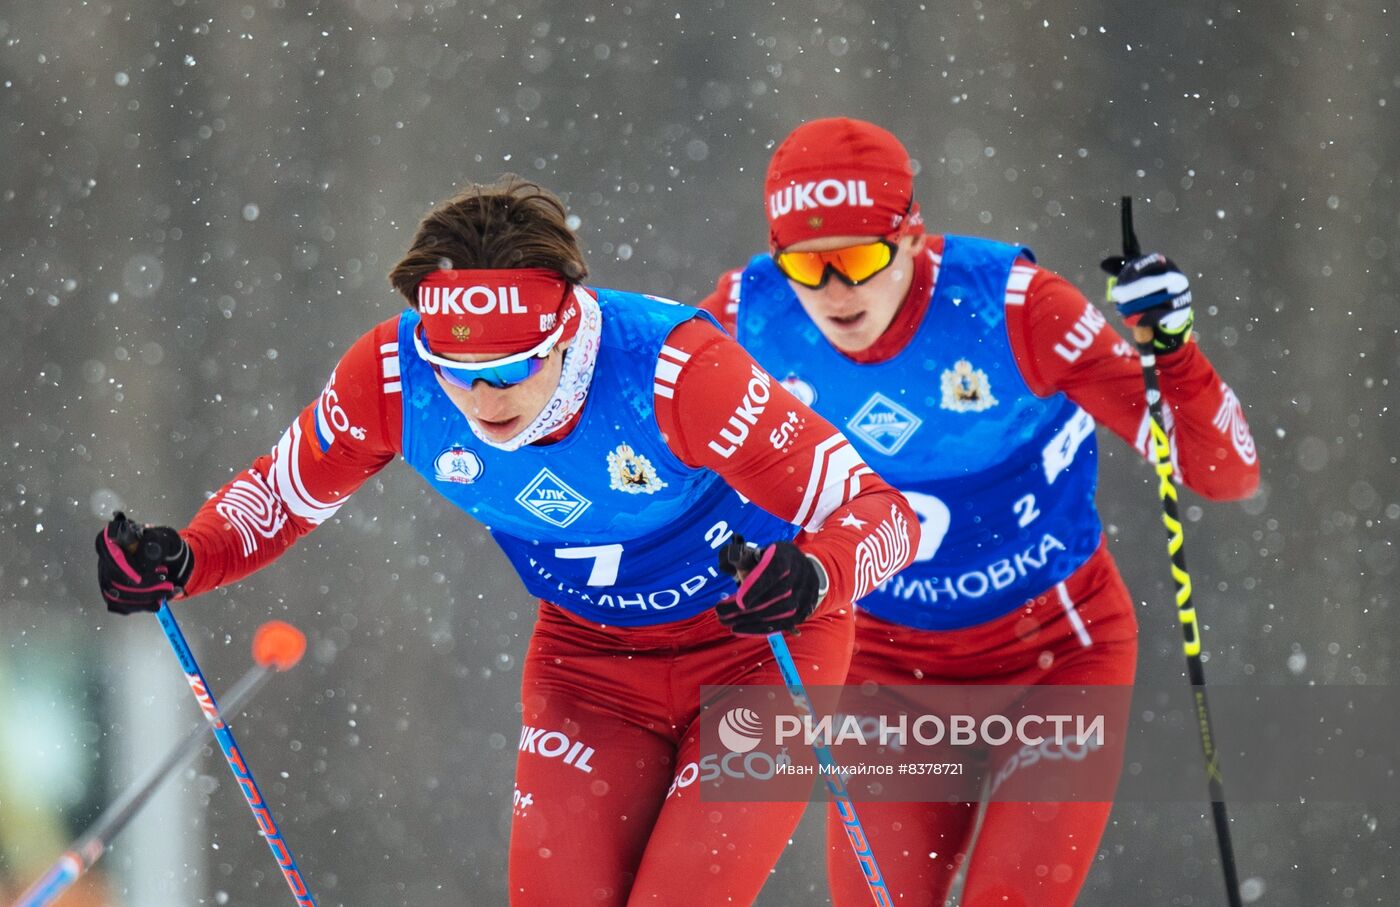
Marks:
<point>64,872</point>
<point>241,772</point>
<point>88,849</point>
<point>835,784</point>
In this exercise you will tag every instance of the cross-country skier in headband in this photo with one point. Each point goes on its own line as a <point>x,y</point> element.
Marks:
<point>972,379</point>
<point>615,445</point>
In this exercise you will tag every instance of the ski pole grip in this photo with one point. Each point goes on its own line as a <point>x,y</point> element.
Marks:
<point>1131,248</point>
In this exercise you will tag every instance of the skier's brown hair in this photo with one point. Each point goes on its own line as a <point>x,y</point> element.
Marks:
<point>510,223</point>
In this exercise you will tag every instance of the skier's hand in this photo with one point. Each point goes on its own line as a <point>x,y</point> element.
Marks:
<point>1154,298</point>
<point>138,566</point>
<point>779,587</point>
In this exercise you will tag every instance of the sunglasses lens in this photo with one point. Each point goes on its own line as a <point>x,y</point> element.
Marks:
<point>806,268</point>
<point>496,376</point>
<point>504,375</point>
<point>860,263</point>
<point>854,263</point>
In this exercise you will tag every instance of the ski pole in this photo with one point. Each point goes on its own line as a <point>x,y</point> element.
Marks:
<point>277,646</point>
<point>241,772</point>
<point>835,784</point>
<point>746,561</point>
<point>1185,610</point>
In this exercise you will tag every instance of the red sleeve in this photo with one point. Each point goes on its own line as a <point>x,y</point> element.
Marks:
<point>718,410</point>
<point>341,439</point>
<point>1062,342</point>
<point>723,303</point>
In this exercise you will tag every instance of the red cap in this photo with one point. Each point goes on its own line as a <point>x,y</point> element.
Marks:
<point>500,310</point>
<point>839,177</point>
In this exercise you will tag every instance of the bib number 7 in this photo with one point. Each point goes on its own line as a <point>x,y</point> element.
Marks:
<point>606,559</point>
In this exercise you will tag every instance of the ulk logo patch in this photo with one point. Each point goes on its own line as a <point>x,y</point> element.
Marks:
<point>884,424</point>
<point>551,499</point>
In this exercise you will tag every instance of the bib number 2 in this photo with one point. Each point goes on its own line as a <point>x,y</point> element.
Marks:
<point>608,558</point>
<point>1026,511</point>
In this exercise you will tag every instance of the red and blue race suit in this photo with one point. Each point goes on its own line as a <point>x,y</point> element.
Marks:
<point>1002,479</point>
<point>614,522</point>
<point>980,402</point>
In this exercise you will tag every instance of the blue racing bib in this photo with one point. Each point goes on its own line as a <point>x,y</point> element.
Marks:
<point>1003,481</point>
<point>606,523</point>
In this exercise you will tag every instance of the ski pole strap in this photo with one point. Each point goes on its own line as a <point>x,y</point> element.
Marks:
<point>835,784</point>
<point>241,772</point>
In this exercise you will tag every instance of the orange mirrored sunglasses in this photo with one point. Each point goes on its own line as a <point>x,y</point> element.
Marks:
<point>852,265</point>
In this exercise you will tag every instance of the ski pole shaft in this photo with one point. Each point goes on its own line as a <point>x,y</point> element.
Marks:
<point>92,844</point>
<point>1186,611</point>
<point>835,784</point>
<point>236,763</point>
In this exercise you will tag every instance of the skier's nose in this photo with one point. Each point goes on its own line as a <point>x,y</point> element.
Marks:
<point>837,290</point>
<point>493,404</point>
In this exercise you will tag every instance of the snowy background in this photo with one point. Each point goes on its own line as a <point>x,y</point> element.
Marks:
<point>199,202</point>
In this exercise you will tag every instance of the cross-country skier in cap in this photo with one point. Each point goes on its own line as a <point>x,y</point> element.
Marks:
<point>972,380</point>
<point>612,444</point>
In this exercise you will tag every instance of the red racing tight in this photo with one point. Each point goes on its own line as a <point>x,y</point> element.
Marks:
<point>611,726</point>
<point>1083,632</point>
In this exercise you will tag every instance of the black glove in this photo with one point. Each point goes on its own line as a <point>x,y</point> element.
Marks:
<point>1151,291</point>
<point>138,567</point>
<point>779,587</point>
